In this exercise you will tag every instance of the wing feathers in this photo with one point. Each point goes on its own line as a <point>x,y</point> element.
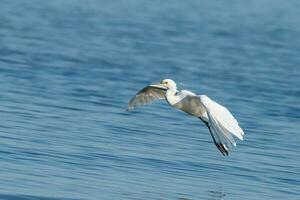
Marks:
<point>222,124</point>
<point>223,117</point>
<point>146,96</point>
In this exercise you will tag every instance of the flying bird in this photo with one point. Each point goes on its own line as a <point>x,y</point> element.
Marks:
<point>219,121</point>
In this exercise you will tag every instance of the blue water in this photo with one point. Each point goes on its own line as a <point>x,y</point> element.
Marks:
<point>68,69</point>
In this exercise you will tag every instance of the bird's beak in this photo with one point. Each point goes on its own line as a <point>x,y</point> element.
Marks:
<point>156,84</point>
<point>159,85</point>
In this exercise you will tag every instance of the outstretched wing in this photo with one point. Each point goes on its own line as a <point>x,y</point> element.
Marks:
<point>146,96</point>
<point>222,125</point>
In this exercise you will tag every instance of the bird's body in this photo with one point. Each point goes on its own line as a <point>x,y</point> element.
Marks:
<point>189,106</point>
<point>220,122</point>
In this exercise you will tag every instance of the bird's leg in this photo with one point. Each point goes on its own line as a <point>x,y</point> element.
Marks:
<point>219,145</point>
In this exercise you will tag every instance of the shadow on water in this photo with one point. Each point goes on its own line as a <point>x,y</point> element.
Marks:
<point>217,195</point>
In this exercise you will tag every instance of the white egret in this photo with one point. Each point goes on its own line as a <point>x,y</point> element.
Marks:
<point>219,121</point>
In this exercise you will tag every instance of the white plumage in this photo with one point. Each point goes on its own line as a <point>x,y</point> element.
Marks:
<point>220,122</point>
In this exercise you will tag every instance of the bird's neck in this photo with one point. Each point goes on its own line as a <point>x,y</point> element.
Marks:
<point>171,96</point>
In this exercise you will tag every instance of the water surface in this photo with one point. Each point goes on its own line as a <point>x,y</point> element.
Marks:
<point>68,69</point>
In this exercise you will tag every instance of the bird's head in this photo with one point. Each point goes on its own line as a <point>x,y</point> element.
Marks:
<point>170,84</point>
